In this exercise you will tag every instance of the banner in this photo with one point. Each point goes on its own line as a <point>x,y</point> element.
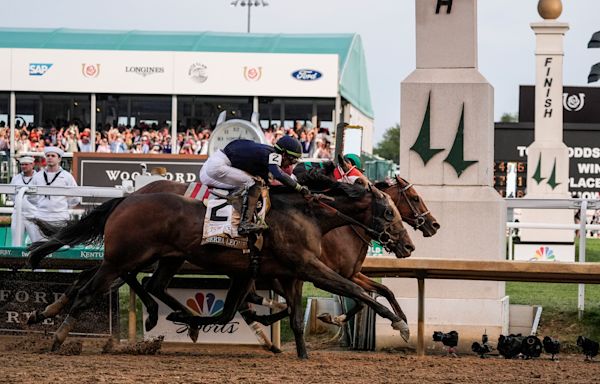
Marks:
<point>205,297</point>
<point>23,292</point>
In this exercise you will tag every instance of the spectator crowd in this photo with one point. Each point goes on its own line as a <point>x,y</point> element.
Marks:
<point>154,139</point>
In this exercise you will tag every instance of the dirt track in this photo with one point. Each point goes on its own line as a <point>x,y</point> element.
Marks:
<point>247,365</point>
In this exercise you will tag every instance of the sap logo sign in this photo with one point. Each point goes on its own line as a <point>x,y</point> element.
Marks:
<point>38,69</point>
<point>306,74</point>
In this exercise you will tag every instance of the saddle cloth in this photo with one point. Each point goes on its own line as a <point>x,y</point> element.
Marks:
<point>222,219</point>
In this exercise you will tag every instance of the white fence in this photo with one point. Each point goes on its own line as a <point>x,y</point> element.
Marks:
<point>575,204</point>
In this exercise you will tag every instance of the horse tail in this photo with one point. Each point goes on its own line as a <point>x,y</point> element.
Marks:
<point>88,230</point>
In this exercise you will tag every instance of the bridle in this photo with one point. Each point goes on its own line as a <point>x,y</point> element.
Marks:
<point>418,219</point>
<point>383,237</point>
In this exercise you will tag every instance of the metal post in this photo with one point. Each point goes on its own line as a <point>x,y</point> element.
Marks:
<point>93,110</point>
<point>249,6</point>
<point>582,240</point>
<point>421,318</point>
<point>13,116</point>
<point>174,125</point>
<point>132,317</point>
<point>276,328</point>
<point>339,133</point>
<point>255,107</point>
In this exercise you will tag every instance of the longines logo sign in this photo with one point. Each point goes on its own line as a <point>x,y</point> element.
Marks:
<point>144,70</point>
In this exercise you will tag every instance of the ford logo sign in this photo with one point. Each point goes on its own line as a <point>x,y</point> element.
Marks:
<point>306,74</point>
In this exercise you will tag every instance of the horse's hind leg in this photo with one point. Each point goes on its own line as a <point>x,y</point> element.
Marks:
<point>54,308</point>
<point>99,284</point>
<point>248,314</point>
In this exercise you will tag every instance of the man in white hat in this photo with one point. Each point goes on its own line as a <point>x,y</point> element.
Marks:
<point>53,208</point>
<point>28,210</point>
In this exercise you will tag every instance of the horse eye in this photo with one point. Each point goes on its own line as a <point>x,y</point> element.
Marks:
<point>416,198</point>
<point>388,215</point>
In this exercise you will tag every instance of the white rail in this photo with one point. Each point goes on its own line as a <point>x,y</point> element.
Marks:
<point>20,191</point>
<point>581,204</point>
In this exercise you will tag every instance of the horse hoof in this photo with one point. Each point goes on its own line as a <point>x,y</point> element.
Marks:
<point>150,323</point>
<point>193,333</point>
<point>403,328</point>
<point>179,317</point>
<point>56,345</point>
<point>275,350</point>
<point>36,317</point>
<point>326,318</point>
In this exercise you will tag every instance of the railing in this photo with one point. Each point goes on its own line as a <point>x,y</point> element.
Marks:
<point>20,192</point>
<point>581,204</point>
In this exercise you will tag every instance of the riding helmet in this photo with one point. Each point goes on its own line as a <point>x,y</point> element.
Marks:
<point>289,146</point>
<point>354,159</point>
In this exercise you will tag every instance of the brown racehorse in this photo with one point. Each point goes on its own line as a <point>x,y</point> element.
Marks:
<point>342,251</point>
<point>172,232</point>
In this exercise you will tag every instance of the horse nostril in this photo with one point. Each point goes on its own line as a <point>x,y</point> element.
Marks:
<point>435,225</point>
<point>409,247</point>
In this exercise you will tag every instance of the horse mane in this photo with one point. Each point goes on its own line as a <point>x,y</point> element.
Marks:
<point>318,182</point>
<point>382,185</point>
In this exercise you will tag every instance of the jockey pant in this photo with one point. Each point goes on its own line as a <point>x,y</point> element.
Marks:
<point>217,172</point>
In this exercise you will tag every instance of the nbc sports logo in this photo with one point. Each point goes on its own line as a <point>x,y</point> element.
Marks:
<point>205,305</point>
<point>543,254</point>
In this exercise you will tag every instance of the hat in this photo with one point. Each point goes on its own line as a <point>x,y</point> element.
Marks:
<point>26,160</point>
<point>56,150</point>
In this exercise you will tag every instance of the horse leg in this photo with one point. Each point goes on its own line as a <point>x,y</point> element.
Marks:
<point>236,294</point>
<point>248,314</point>
<point>255,298</point>
<point>59,304</point>
<point>325,278</point>
<point>293,296</point>
<point>157,286</point>
<point>99,284</point>
<point>373,286</point>
<point>150,304</point>
<point>344,317</point>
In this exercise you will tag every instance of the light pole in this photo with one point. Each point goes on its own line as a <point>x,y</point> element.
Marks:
<point>249,4</point>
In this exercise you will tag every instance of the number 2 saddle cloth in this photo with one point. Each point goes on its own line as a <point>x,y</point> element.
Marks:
<point>222,218</point>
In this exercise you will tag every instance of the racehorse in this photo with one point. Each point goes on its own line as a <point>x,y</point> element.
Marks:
<point>342,251</point>
<point>172,232</point>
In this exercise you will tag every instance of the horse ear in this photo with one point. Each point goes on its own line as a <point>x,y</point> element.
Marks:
<point>346,165</point>
<point>362,181</point>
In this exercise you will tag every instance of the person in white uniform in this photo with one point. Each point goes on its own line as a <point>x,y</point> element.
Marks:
<point>53,208</point>
<point>28,210</point>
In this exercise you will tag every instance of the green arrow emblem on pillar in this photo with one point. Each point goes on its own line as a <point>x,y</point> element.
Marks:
<point>456,157</point>
<point>552,179</point>
<point>537,175</point>
<point>423,144</point>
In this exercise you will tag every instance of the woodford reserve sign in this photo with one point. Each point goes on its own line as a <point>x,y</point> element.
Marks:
<point>21,293</point>
<point>111,169</point>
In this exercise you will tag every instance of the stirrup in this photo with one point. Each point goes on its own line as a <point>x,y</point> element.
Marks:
<point>248,228</point>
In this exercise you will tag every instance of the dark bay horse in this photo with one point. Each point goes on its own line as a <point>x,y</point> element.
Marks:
<point>173,232</point>
<point>342,250</point>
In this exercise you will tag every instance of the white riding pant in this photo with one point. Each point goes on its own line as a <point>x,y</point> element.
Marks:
<point>217,172</point>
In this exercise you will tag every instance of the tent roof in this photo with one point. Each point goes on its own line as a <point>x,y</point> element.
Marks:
<point>353,82</point>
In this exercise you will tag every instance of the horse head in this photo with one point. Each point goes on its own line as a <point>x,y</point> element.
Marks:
<point>371,209</point>
<point>411,206</point>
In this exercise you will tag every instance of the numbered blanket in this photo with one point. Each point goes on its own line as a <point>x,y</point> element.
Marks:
<point>222,219</point>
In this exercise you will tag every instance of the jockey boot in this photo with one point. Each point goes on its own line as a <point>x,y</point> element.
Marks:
<point>249,202</point>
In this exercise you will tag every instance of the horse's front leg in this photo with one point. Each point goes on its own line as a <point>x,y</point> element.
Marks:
<point>293,296</point>
<point>372,286</point>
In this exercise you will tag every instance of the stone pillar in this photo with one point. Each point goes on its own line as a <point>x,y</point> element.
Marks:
<point>447,151</point>
<point>548,156</point>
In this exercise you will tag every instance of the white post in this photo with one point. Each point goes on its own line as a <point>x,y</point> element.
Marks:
<point>174,125</point>
<point>255,104</point>
<point>17,238</point>
<point>93,112</point>
<point>582,239</point>
<point>13,115</point>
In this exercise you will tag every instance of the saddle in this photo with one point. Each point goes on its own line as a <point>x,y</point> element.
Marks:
<point>222,217</point>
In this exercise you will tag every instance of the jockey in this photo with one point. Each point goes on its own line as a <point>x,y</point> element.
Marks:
<point>353,173</point>
<point>234,166</point>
